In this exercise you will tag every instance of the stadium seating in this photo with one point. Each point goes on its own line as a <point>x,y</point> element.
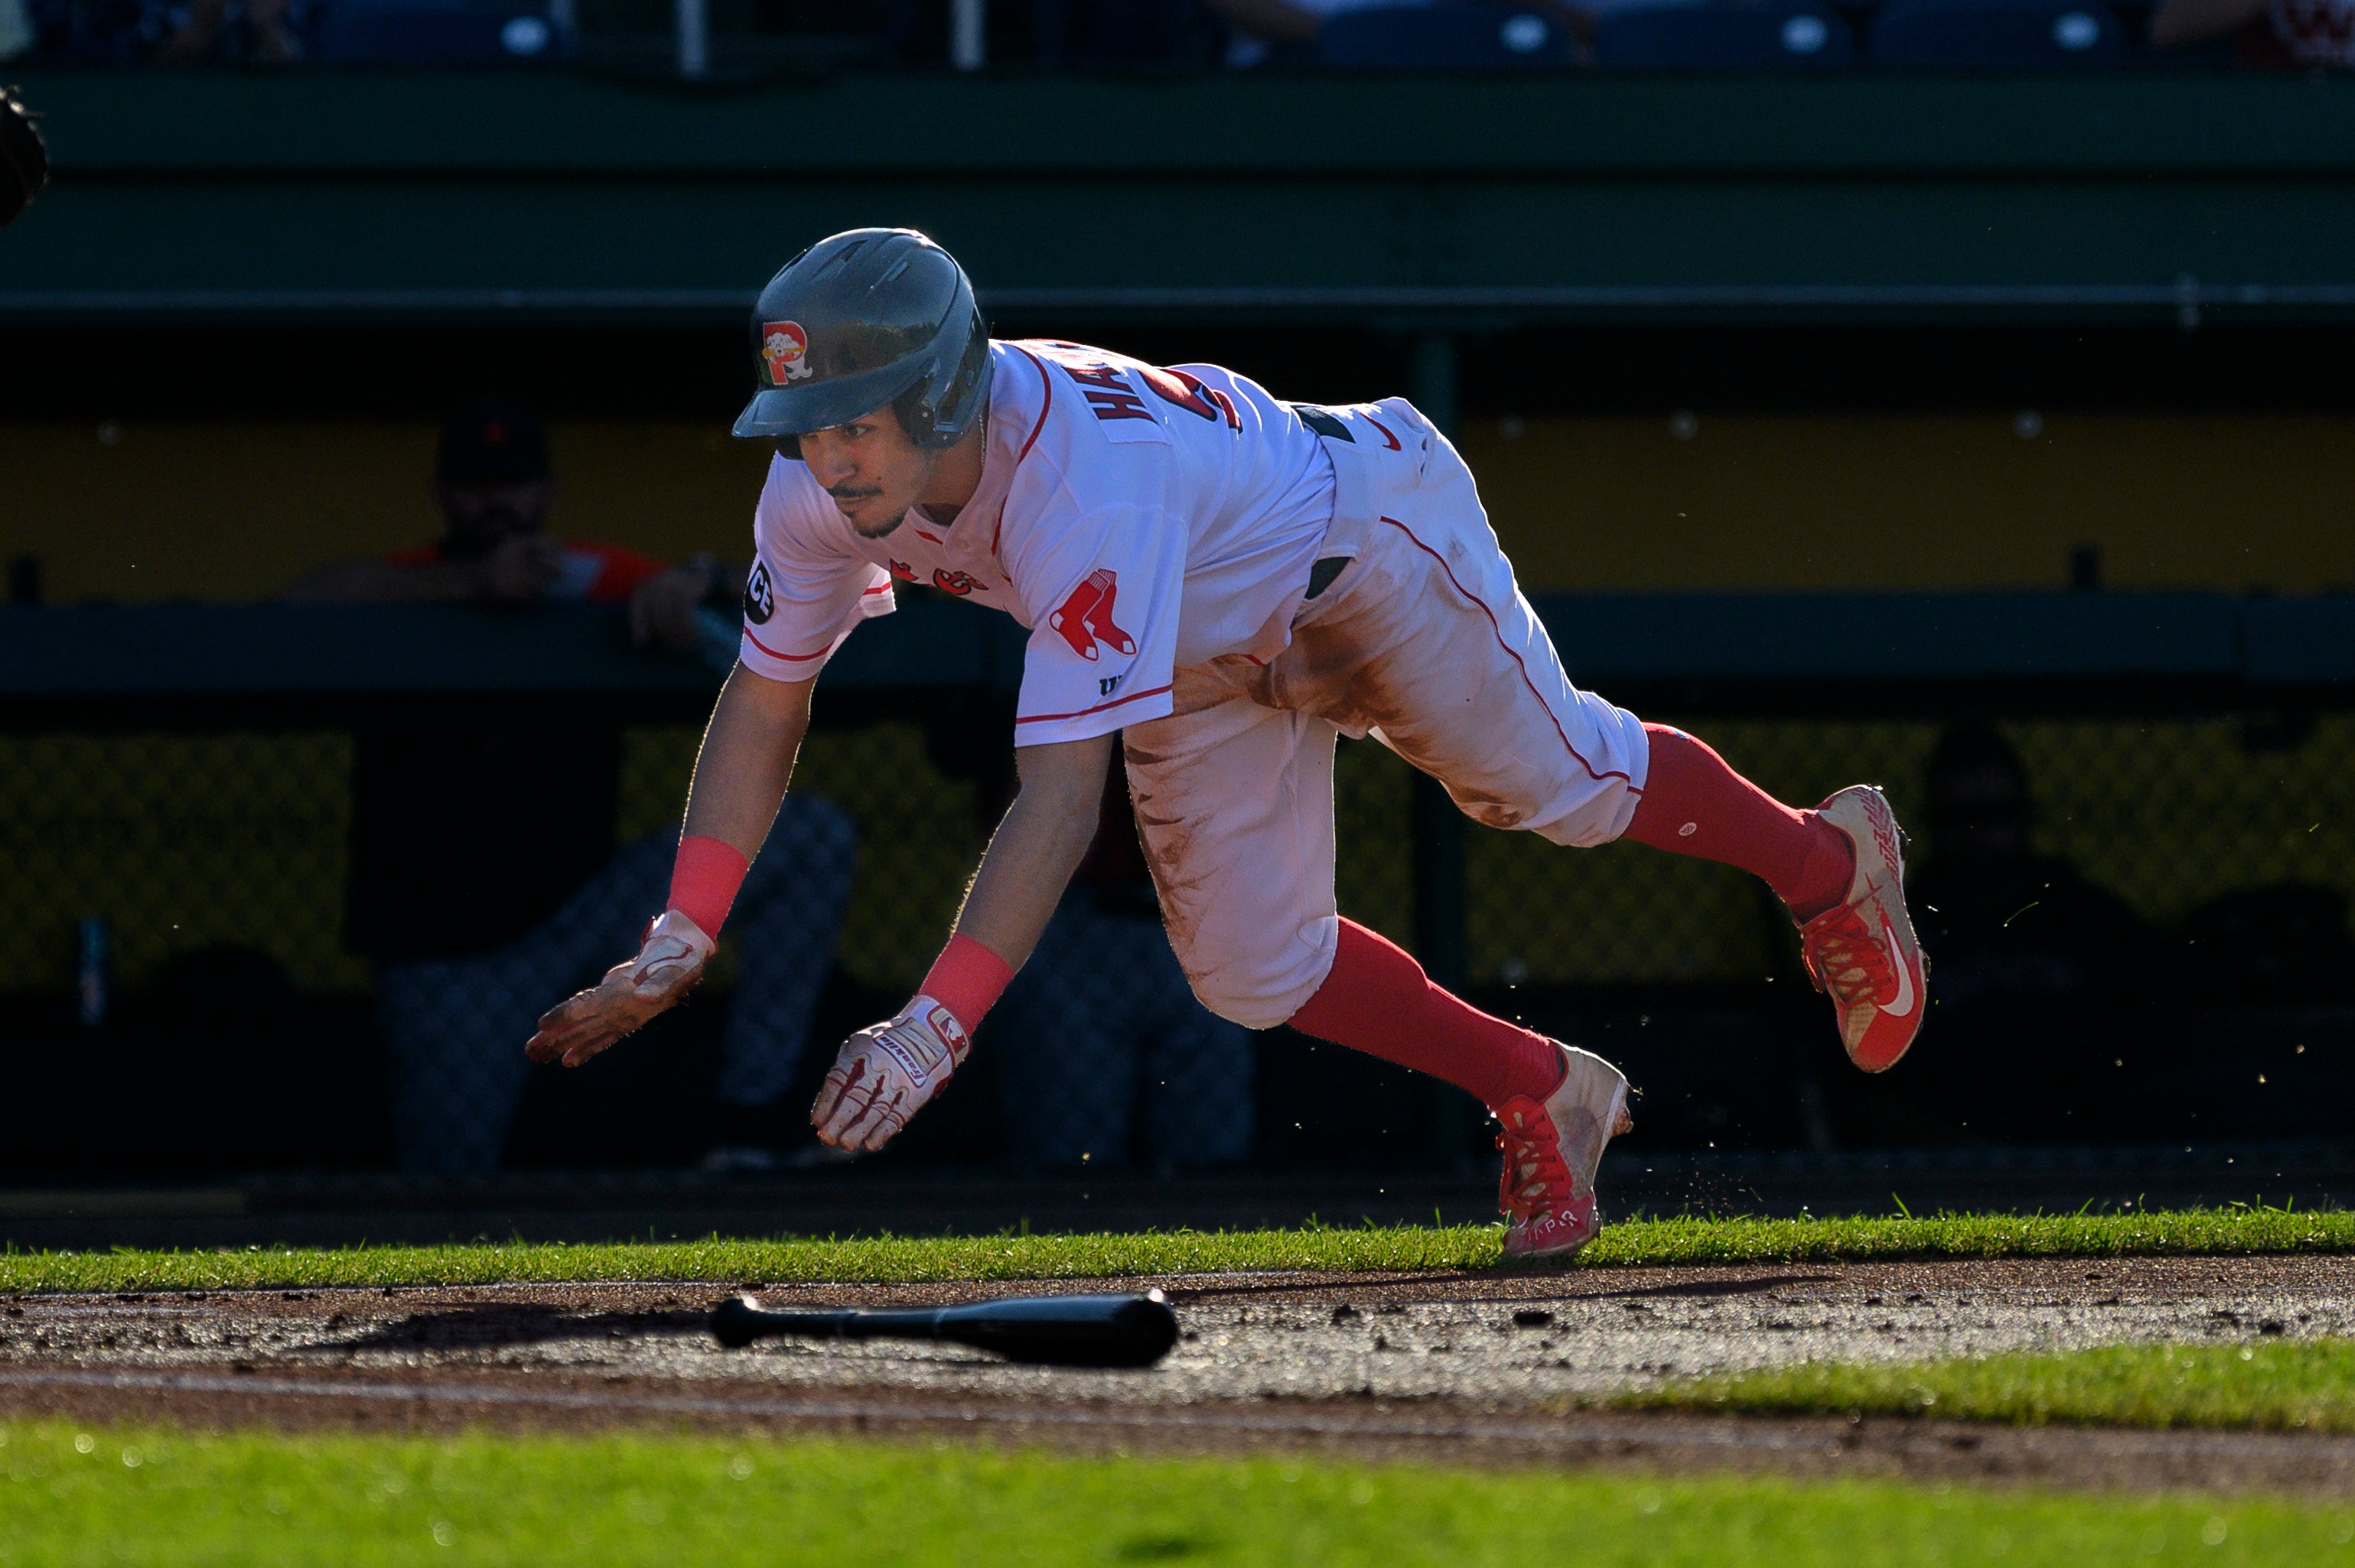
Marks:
<point>1445,38</point>
<point>2017,33</point>
<point>436,32</point>
<point>1763,36</point>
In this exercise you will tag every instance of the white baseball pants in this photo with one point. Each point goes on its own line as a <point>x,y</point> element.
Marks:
<point>1425,643</point>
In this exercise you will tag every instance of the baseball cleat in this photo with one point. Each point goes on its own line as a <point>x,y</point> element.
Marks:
<point>1861,953</point>
<point>1551,1149</point>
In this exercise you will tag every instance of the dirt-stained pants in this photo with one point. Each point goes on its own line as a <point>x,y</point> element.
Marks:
<point>1424,642</point>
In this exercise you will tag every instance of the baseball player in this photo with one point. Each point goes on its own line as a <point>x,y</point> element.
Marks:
<point>1222,583</point>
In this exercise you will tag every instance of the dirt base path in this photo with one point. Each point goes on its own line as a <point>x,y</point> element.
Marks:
<point>1443,1367</point>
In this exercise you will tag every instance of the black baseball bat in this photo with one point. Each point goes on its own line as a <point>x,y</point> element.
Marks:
<point>1051,1331</point>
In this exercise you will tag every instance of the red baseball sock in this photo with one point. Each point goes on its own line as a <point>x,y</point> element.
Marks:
<point>1695,804</point>
<point>1379,1001</point>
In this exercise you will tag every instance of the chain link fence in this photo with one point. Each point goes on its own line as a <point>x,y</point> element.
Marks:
<point>2221,842</point>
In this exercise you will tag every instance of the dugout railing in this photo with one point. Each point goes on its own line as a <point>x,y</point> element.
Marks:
<point>176,781</point>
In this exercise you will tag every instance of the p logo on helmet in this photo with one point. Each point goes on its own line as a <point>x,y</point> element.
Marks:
<point>785,352</point>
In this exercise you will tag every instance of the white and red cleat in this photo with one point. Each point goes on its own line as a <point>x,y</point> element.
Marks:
<point>1551,1149</point>
<point>1861,952</point>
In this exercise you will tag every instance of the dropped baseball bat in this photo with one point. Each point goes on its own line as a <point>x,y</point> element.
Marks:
<point>1051,1331</point>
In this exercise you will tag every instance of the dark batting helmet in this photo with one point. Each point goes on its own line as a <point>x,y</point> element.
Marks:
<point>871,317</point>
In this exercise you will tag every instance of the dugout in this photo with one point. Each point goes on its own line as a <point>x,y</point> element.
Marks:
<point>1951,346</point>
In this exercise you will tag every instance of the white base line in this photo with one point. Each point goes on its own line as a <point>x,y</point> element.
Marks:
<point>1726,1432</point>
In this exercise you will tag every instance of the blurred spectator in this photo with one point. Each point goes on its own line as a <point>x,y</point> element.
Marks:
<point>1100,1031</point>
<point>485,881</point>
<point>1283,32</point>
<point>2039,974</point>
<point>2263,32</point>
<point>495,488</point>
<point>1280,30</point>
<point>16,34</point>
<point>2282,946</point>
<point>124,32</point>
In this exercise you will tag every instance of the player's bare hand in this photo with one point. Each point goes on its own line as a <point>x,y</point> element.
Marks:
<point>521,566</point>
<point>669,962</point>
<point>662,610</point>
<point>884,1073</point>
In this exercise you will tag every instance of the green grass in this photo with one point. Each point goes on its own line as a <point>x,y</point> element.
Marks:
<point>890,1258</point>
<point>87,1495</point>
<point>2274,1385</point>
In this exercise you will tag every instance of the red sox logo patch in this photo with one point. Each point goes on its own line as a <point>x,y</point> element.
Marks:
<point>1085,619</point>
<point>785,352</point>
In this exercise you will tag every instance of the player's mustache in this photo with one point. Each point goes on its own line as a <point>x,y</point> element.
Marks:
<point>854,492</point>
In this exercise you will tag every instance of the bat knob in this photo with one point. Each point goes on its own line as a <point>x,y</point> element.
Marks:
<point>734,1322</point>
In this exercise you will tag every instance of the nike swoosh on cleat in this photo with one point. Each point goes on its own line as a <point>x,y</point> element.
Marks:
<point>1903,1002</point>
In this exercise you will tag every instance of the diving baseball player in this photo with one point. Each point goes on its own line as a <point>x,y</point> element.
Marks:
<point>1222,583</point>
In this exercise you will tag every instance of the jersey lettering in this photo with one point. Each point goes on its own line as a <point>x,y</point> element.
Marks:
<point>903,571</point>
<point>1189,393</point>
<point>1108,393</point>
<point>957,583</point>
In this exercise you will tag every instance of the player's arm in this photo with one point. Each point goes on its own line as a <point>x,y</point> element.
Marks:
<point>741,774</point>
<point>1040,844</point>
<point>883,1074</point>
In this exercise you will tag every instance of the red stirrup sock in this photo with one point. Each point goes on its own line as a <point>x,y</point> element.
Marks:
<point>1695,804</point>
<point>704,880</point>
<point>1379,1001</point>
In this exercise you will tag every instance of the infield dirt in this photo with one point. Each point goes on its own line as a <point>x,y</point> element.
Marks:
<point>1447,1367</point>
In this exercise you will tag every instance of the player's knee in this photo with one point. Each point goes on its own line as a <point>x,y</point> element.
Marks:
<point>1254,1001</point>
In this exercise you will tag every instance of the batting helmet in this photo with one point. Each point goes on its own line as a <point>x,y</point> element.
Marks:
<point>871,317</point>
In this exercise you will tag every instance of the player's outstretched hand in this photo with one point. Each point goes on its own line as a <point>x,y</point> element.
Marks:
<point>669,962</point>
<point>884,1072</point>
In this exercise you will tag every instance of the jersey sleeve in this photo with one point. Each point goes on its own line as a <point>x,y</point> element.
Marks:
<point>1102,590</point>
<point>807,593</point>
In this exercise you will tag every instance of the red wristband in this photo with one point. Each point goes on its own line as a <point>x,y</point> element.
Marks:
<point>704,880</point>
<point>967,979</point>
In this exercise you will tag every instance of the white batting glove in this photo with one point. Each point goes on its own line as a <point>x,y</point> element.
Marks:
<point>670,960</point>
<point>884,1072</point>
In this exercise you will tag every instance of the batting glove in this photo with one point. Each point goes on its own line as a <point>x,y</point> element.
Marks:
<point>885,1072</point>
<point>670,960</point>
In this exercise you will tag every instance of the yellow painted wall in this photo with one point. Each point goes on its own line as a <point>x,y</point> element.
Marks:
<point>225,512</point>
<point>141,513</point>
<point>1943,502</point>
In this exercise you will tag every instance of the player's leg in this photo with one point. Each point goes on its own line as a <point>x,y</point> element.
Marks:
<point>786,916</point>
<point>1840,868</point>
<point>1234,801</point>
<point>1427,641</point>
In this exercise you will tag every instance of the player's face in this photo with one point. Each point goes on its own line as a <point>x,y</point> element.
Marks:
<point>871,469</point>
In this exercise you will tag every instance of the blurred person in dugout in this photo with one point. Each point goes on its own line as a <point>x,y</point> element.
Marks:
<point>1103,1052</point>
<point>2260,32</point>
<point>484,872</point>
<point>2038,966</point>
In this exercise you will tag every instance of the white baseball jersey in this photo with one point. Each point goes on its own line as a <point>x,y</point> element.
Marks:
<point>1135,519</point>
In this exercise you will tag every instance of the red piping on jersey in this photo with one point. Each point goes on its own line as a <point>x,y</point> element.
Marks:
<point>1132,698</point>
<point>879,587</point>
<point>1046,385</point>
<point>1498,627</point>
<point>789,657</point>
